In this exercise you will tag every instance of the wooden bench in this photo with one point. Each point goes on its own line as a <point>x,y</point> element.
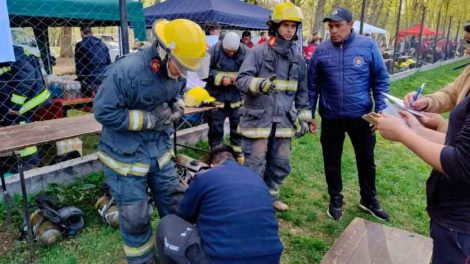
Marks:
<point>365,242</point>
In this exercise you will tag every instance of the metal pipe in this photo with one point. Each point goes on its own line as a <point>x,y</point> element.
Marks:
<point>124,28</point>
<point>361,28</point>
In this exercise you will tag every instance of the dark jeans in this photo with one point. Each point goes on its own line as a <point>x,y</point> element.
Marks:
<point>449,246</point>
<point>178,241</point>
<point>216,126</point>
<point>363,141</point>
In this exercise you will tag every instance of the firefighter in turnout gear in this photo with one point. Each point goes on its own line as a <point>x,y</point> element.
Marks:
<point>226,58</point>
<point>274,83</point>
<point>22,90</point>
<point>137,104</point>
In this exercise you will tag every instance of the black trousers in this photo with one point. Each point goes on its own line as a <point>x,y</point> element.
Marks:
<point>363,140</point>
<point>216,126</point>
<point>449,246</point>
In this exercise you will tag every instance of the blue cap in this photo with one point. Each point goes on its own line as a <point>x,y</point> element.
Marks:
<point>339,14</point>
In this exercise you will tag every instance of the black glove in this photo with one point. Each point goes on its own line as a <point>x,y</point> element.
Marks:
<point>267,85</point>
<point>303,128</point>
<point>159,118</point>
<point>177,113</point>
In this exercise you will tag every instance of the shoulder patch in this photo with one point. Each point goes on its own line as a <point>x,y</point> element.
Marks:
<point>358,61</point>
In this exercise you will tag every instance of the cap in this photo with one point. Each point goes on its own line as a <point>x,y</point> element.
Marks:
<point>339,14</point>
<point>231,41</point>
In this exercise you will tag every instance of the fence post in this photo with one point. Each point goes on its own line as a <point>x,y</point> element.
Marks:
<point>396,37</point>
<point>124,27</point>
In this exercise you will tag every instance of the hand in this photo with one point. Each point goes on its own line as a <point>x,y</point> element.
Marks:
<point>431,120</point>
<point>177,113</point>
<point>226,81</point>
<point>160,117</point>
<point>303,128</point>
<point>411,121</point>
<point>267,86</point>
<point>390,127</point>
<point>313,126</point>
<point>419,105</point>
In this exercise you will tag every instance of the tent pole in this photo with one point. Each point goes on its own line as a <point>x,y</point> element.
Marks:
<point>447,40</point>
<point>396,37</point>
<point>361,28</point>
<point>435,38</point>
<point>124,28</point>
<point>420,43</point>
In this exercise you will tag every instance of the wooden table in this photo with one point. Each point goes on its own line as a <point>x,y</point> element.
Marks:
<point>365,242</point>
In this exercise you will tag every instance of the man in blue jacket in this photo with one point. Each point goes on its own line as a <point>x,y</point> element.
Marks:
<point>91,60</point>
<point>348,76</point>
<point>231,207</point>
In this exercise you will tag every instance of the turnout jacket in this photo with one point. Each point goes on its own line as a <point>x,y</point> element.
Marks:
<point>286,104</point>
<point>131,88</point>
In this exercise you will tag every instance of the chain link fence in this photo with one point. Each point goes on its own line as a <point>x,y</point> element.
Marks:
<point>63,48</point>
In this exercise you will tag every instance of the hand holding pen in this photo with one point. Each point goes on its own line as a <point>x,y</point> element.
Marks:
<point>413,101</point>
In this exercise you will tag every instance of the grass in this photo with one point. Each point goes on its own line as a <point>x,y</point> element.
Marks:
<point>306,231</point>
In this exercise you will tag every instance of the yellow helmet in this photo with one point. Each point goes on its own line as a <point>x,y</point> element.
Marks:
<point>197,96</point>
<point>286,12</point>
<point>183,39</point>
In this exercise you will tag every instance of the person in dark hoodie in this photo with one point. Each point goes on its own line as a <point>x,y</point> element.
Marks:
<point>91,59</point>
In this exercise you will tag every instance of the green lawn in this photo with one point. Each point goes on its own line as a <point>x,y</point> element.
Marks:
<point>306,231</point>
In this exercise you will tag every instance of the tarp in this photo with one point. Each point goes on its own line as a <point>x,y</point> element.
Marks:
<point>367,28</point>
<point>233,13</point>
<point>57,13</point>
<point>414,31</point>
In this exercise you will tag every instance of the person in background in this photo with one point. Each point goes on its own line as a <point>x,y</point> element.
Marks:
<point>263,38</point>
<point>212,28</point>
<point>91,59</point>
<point>22,91</point>
<point>312,45</point>
<point>273,82</point>
<point>246,39</point>
<point>226,58</point>
<point>138,103</point>
<point>347,77</point>
<point>225,217</point>
<point>445,99</point>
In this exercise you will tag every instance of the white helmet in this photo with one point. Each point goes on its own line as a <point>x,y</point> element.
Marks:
<point>231,41</point>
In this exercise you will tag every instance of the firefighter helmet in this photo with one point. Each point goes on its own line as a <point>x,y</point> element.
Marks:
<point>286,12</point>
<point>197,96</point>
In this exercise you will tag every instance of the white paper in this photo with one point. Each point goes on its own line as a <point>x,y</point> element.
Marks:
<point>399,103</point>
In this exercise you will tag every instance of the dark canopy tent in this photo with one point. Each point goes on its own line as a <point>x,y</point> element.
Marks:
<point>415,31</point>
<point>41,14</point>
<point>233,13</point>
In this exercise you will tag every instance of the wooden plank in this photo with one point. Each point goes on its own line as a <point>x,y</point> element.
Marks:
<point>83,100</point>
<point>364,242</point>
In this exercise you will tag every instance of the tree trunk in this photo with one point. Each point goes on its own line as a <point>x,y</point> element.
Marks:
<point>319,15</point>
<point>66,50</point>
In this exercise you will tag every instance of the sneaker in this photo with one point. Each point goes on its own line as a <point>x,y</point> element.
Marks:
<point>334,212</point>
<point>375,210</point>
<point>280,206</point>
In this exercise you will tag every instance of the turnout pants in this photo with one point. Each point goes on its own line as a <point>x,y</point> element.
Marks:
<point>216,126</point>
<point>131,195</point>
<point>269,158</point>
<point>178,241</point>
<point>363,141</point>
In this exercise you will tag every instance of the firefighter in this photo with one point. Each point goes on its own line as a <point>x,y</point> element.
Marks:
<point>274,83</point>
<point>22,90</point>
<point>226,58</point>
<point>137,104</point>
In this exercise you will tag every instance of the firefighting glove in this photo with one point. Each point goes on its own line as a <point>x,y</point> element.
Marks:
<point>302,129</point>
<point>159,118</point>
<point>176,113</point>
<point>267,85</point>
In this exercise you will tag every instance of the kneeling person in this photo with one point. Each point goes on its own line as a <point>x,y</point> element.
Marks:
<point>234,217</point>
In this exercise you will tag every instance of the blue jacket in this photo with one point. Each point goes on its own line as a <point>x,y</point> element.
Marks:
<point>232,208</point>
<point>91,59</point>
<point>346,76</point>
<point>129,90</point>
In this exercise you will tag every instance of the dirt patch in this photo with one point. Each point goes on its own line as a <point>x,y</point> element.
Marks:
<point>7,240</point>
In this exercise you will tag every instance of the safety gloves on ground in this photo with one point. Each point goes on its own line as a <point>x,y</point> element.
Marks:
<point>267,85</point>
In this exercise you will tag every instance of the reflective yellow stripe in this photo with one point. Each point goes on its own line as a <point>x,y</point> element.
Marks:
<point>284,85</point>
<point>165,158</point>
<point>37,100</point>
<point>139,251</point>
<point>254,85</point>
<point>4,69</point>
<point>27,151</point>
<point>136,169</point>
<point>237,149</point>
<point>18,99</point>
<point>265,132</point>
<point>236,104</point>
<point>221,74</point>
<point>136,120</point>
<point>305,115</point>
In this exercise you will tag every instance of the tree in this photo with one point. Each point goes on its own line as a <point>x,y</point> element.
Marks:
<point>66,50</point>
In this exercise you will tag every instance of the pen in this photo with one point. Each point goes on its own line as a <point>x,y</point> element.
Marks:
<point>418,92</point>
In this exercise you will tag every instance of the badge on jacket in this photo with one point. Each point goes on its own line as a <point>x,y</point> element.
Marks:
<point>358,61</point>
<point>155,65</point>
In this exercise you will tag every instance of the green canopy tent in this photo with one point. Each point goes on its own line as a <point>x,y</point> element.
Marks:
<point>41,14</point>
